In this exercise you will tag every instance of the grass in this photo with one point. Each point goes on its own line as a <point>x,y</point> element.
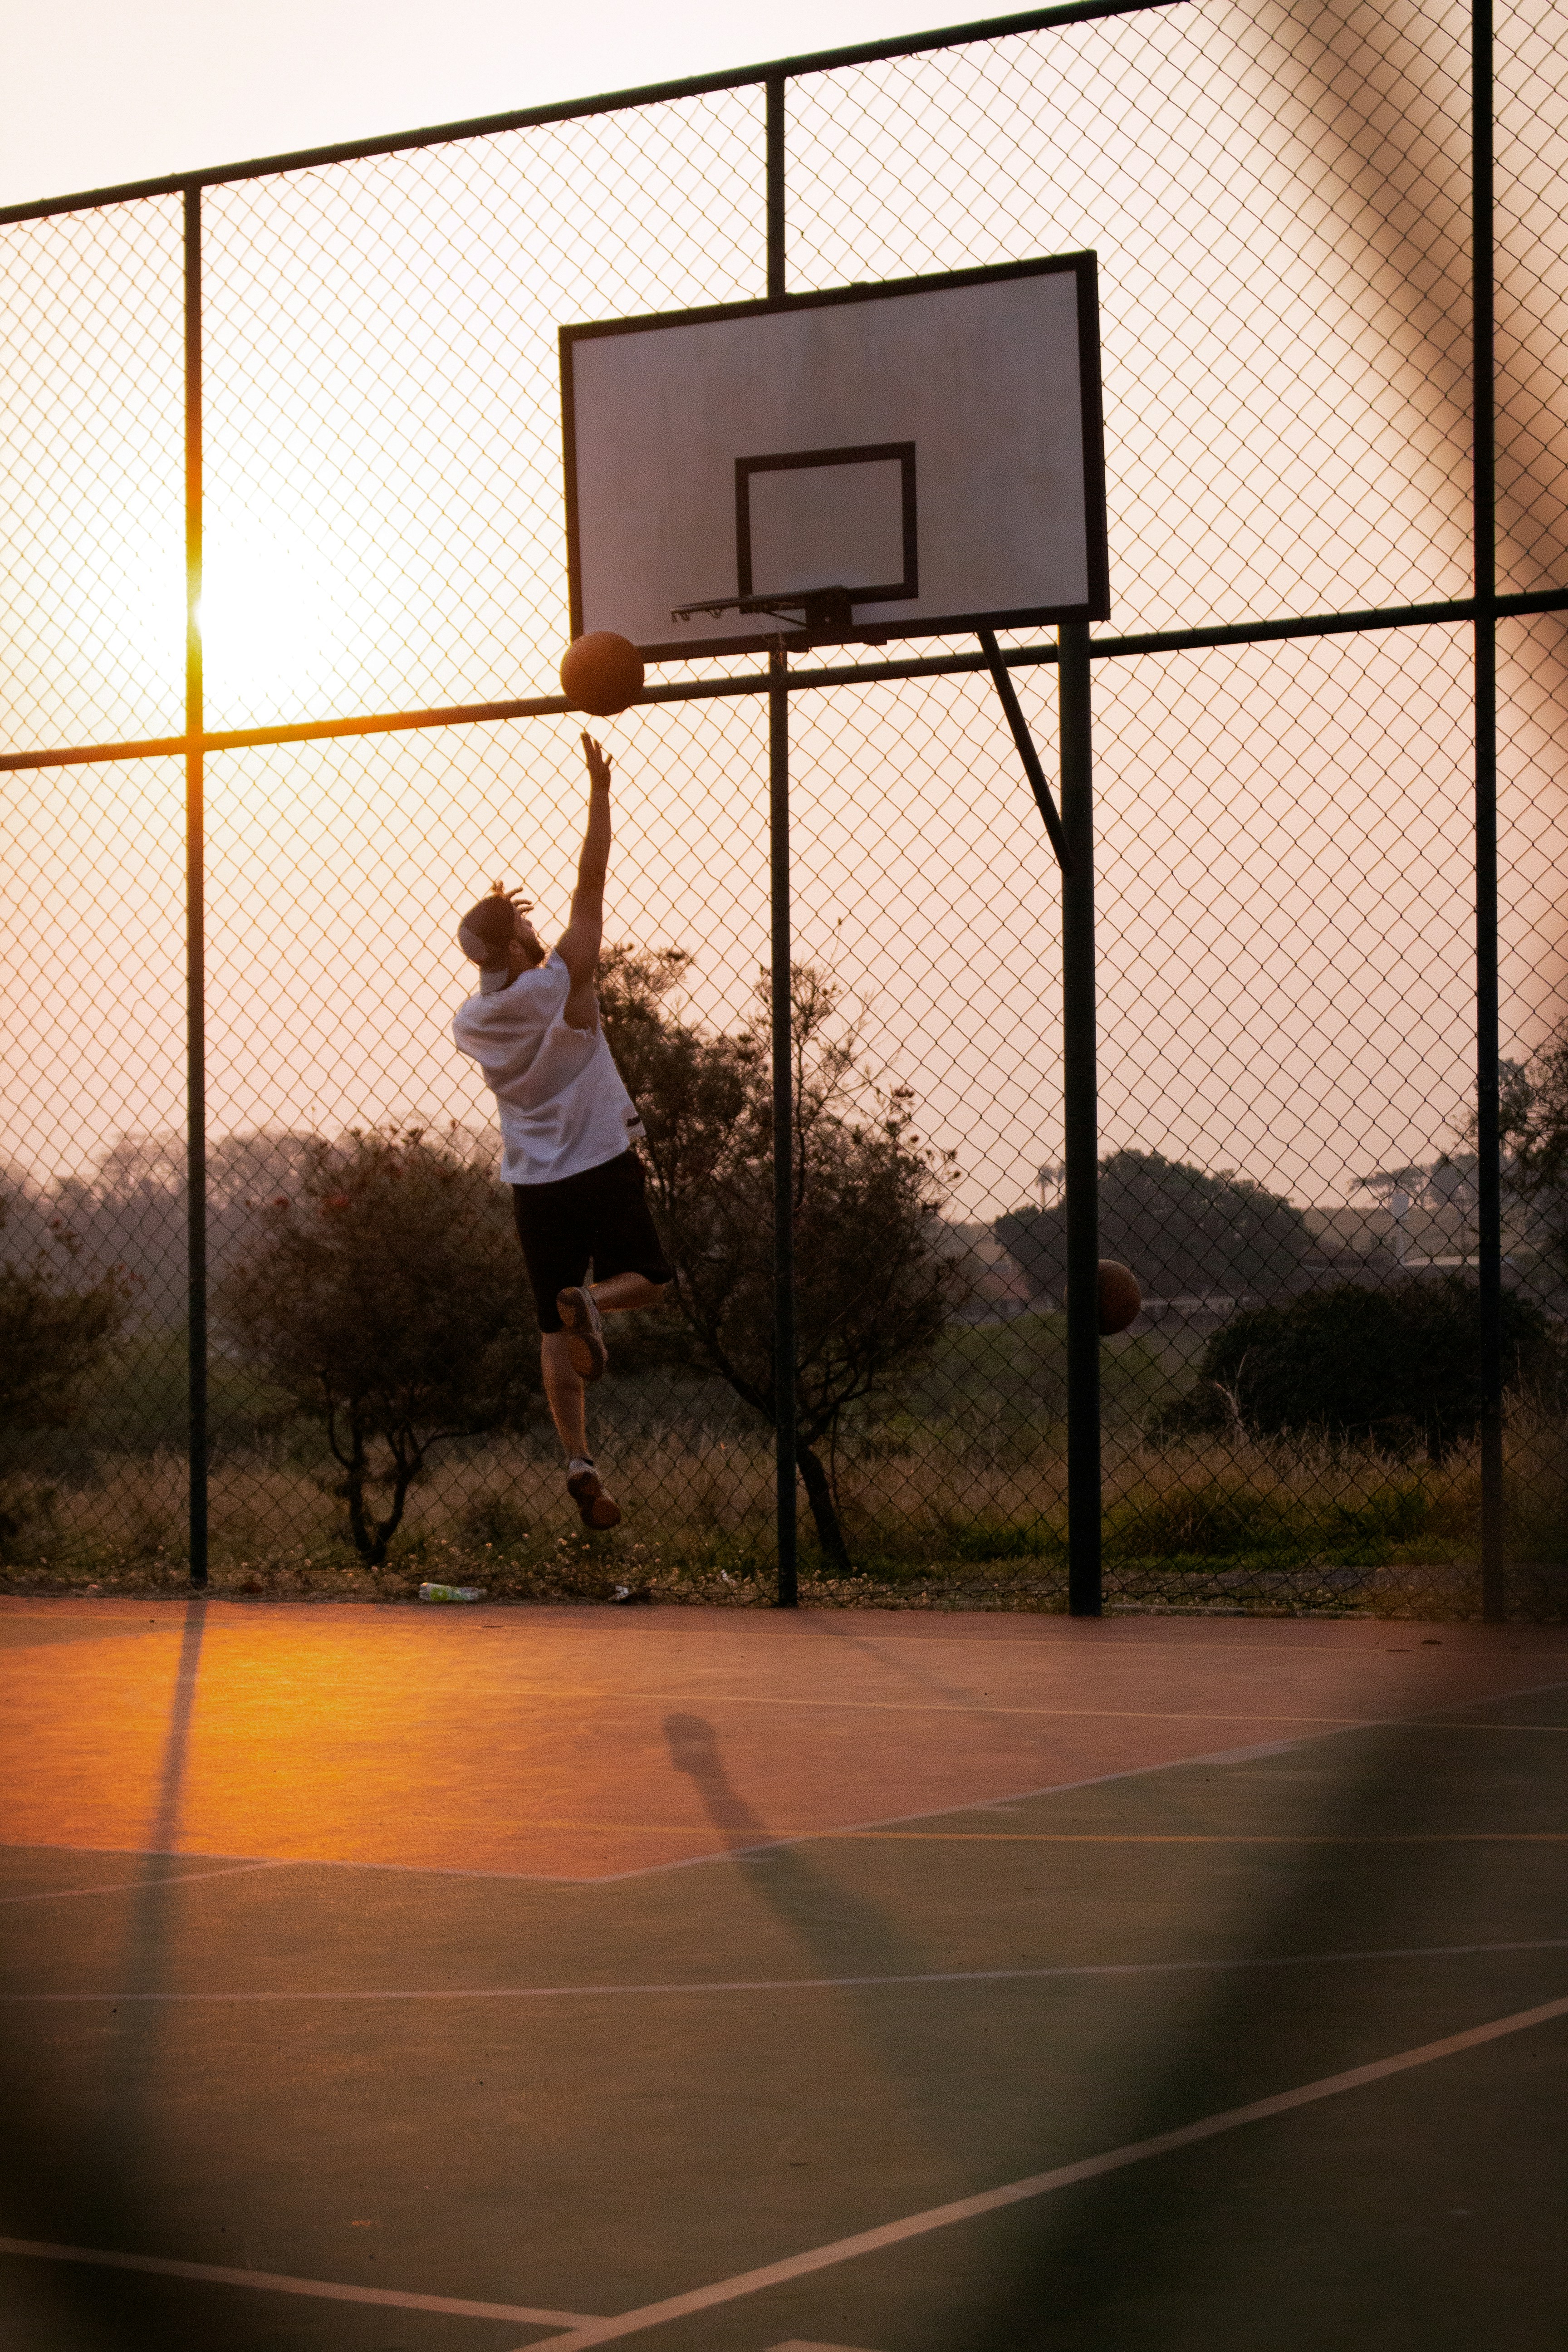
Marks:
<point>957,1497</point>
<point>936,1517</point>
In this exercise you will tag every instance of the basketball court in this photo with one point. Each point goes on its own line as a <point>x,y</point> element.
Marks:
<point>406,1979</point>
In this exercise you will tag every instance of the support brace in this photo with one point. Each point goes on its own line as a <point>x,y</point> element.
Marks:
<point>1026,743</point>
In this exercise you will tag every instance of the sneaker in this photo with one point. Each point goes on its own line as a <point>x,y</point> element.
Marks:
<point>584,1332</point>
<point>596,1509</point>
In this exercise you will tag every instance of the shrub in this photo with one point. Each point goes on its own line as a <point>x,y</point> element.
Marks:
<point>54,1333</point>
<point>1396,1367</point>
<point>390,1300</point>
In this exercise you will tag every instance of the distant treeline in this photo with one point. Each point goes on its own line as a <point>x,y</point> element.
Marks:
<point>1185,1234</point>
<point>131,1213</point>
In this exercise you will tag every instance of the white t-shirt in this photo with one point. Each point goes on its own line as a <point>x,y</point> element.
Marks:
<point>562,1104</point>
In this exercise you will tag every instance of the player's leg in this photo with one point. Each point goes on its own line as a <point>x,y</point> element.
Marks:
<point>630,1269</point>
<point>564,1394</point>
<point>581,1306</point>
<point>620,1294</point>
<point>551,1228</point>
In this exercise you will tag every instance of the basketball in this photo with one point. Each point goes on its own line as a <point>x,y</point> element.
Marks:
<point>1119,1297</point>
<point>602,673</point>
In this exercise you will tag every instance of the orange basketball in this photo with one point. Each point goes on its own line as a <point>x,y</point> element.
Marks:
<point>1119,1297</point>
<point>600,673</point>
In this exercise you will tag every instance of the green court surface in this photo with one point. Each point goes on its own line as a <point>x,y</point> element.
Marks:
<point>401,1981</point>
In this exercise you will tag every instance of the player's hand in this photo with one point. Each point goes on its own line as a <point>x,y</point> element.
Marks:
<point>599,762</point>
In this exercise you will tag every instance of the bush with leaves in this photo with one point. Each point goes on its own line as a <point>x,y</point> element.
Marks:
<point>388,1297</point>
<point>54,1331</point>
<point>1396,1367</point>
<point>1534,1127</point>
<point>1185,1232</point>
<point>873,1288</point>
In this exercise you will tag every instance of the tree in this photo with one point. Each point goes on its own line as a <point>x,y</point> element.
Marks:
<point>1184,1231</point>
<point>1391,1368</point>
<point>53,1331</point>
<point>388,1296</point>
<point>1535,1128</point>
<point>872,1284</point>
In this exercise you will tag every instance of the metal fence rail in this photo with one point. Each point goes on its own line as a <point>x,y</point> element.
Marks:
<point>1310,771</point>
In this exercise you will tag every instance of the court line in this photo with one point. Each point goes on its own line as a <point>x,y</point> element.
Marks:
<point>1041,2184</point>
<point>712,1853</point>
<point>1195,1837</point>
<point>893,1836</point>
<point>1107,1634</point>
<point>1559,1727</point>
<point>1255,1752</point>
<point>136,1885</point>
<point>1251,1754</point>
<point>327,2290</point>
<point>795,1984</point>
<point>715,1854</point>
<point>599,1694</point>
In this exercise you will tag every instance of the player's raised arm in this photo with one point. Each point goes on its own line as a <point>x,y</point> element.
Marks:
<point>579,944</point>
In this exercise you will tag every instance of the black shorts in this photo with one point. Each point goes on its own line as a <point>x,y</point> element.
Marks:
<point>601,1214</point>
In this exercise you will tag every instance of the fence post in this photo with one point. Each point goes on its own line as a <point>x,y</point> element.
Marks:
<point>779,892</point>
<point>777,86</point>
<point>196,925</point>
<point>1081,1141</point>
<point>783,1127</point>
<point>1489,1142</point>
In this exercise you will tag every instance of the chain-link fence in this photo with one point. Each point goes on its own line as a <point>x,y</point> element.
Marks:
<point>1285,798</point>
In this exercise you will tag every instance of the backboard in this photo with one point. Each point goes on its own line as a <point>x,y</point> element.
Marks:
<point>910,459</point>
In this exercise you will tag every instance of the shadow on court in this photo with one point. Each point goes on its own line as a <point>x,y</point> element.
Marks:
<point>795,2041</point>
<point>1421,2214</point>
<point>95,2165</point>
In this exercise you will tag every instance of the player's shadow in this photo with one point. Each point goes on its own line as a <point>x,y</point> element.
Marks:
<point>843,1934</point>
<point>844,1931</point>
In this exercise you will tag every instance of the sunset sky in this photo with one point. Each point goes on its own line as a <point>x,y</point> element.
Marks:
<point>96,92</point>
<point>1285,874</point>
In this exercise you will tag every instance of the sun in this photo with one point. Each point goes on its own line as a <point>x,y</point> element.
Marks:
<point>262,616</point>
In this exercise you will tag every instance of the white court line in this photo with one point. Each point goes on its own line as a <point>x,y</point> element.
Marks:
<point>728,1854</point>
<point>136,1885</point>
<point>1089,1968</point>
<point>1041,2184</point>
<point>768,1845</point>
<point>327,2290</point>
<point>600,1695</point>
<point>582,2332</point>
<point>1248,1755</point>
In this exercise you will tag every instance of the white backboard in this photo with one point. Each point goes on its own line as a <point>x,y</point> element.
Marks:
<point>931,446</point>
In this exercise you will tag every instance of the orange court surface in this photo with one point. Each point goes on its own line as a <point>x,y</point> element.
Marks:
<point>396,1978</point>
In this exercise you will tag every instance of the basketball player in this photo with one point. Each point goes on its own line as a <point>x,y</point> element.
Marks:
<point>569,1132</point>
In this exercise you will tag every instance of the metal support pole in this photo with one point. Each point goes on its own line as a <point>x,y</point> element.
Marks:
<point>1489,1160</point>
<point>783,1126</point>
<point>196,925</point>
<point>1080,1091</point>
<point>775,87</point>
<point>782,1055</point>
<point>1013,711</point>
